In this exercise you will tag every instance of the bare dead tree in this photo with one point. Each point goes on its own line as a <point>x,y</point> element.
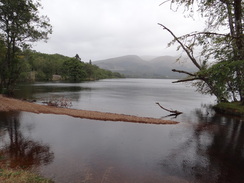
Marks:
<point>175,112</point>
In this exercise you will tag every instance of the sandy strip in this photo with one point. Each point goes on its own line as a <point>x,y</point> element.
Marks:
<point>9,104</point>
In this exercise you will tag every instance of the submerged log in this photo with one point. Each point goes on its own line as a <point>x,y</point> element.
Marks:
<point>174,112</point>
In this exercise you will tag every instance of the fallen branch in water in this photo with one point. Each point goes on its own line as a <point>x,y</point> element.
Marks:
<point>175,112</point>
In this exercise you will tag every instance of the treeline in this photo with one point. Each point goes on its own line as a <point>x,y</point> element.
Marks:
<point>47,67</point>
<point>21,25</point>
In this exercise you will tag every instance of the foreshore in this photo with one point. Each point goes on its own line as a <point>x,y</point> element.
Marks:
<point>10,104</point>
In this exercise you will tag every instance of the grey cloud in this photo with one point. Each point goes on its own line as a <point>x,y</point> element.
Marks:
<point>98,29</point>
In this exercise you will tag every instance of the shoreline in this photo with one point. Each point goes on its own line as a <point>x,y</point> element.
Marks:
<point>10,104</point>
<point>231,108</point>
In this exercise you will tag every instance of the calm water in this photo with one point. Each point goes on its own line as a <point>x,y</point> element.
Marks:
<point>204,147</point>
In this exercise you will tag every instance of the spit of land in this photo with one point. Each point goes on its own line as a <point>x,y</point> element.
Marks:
<point>11,104</point>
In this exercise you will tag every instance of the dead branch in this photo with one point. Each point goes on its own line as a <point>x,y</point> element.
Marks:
<point>183,46</point>
<point>175,112</point>
<point>196,33</point>
<point>164,2</point>
<point>186,80</point>
<point>193,78</point>
<point>184,72</point>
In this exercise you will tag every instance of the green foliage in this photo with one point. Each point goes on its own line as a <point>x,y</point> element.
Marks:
<point>226,79</point>
<point>233,108</point>
<point>76,70</point>
<point>20,24</point>
<point>73,70</point>
<point>20,21</point>
<point>44,66</point>
<point>21,176</point>
<point>94,73</point>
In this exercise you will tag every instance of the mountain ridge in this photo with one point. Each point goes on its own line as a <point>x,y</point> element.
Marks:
<point>136,67</point>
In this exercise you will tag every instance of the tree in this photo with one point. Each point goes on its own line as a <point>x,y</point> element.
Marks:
<point>77,57</point>
<point>73,70</point>
<point>89,70</point>
<point>20,25</point>
<point>41,67</point>
<point>224,77</point>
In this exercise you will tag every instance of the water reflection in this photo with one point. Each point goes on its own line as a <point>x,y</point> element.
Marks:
<point>212,151</point>
<point>17,150</point>
<point>204,147</point>
<point>40,91</point>
<point>208,148</point>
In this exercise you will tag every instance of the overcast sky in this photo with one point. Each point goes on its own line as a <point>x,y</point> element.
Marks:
<point>101,29</point>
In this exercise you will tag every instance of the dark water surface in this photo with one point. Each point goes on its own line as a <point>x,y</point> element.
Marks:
<point>204,147</point>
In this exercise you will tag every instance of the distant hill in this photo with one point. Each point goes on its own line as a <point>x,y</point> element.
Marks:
<point>135,66</point>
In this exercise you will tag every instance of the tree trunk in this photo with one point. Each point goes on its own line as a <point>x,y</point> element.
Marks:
<point>238,28</point>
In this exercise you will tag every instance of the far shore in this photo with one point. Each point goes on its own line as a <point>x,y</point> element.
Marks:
<point>10,104</point>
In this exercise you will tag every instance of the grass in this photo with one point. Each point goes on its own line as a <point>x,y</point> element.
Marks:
<point>233,108</point>
<point>8,175</point>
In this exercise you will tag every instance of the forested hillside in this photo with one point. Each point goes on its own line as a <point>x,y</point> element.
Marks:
<point>46,67</point>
